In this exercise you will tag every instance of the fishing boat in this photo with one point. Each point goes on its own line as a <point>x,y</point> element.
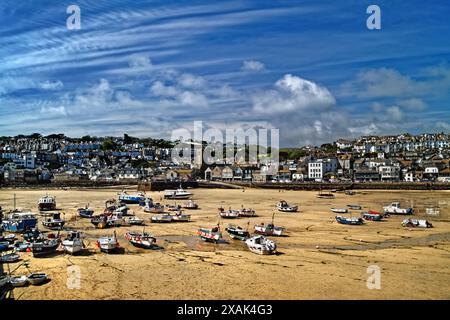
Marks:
<point>370,215</point>
<point>415,223</point>
<point>18,281</point>
<point>228,214</point>
<point>237,232</point>
<point>134,221</point>
<point>261,245</point>
<point>181,217</point>
<point>248,213</point>
<point>173,207</point>
<point>85,212</point>
<point>47,203</point>
<point>19,221</point>
<point>105,221</point>
<point>45,247</point>
<point>9,258</point>
<point>55,222</point>
<point>339,210</point>
<point>394,208</point>
<point>350,221</point>
<point>161,218</point>
<point>354,206</point>
<point>131,198</point>
<point>269,230</point>
<point>210,235</point>
<point>37,278</point>
<point>179,193</point>
<point>142,240</point>
<point>22,246</point>
<point>283,206</point>
<point>32,235</point>
<point>73,243</point>
<point>191,205</point>
<point>155,208</point>
<point>108,244</point>
<point>123,210</point>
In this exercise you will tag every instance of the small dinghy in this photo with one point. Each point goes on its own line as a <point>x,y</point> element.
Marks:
<point>350,221</point>
<point>269,230</point>
<point>415,223</point>
<point>191,205</point>
<point>261,245</point>
<point>237,232</point>
<point>140,240</point>
<point>283,206</point>
<point>228,214</point>
<point>55,222</point>
<point>339,210</point>
<point>134,221</point>
<point>9,258</point>
<point>156,208</point>
<point>248,213</point>
<point>372,215</point>
<point>18,281</point>
<point>73,242</point>
<point>162,218</point>
<point>85,212</point>
<point>37,278</point>
<point>22,246</point>
<point>210,235</point>
<point>108,244</point>
<point>354,206</point>
<point>45,247</point>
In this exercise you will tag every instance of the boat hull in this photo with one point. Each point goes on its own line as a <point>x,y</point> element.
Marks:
<point>41,250</point>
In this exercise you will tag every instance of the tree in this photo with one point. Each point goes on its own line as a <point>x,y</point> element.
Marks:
<point>108,144</point>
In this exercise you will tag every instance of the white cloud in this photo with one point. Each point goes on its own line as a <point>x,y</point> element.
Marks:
<point>413,104</point>
<point>193,99</point>
<point>252,66</point>
<point>61,110</point>
<point>394,113</point>
<point>158,88</point>
<point>140,61</point>
<point>188,80</point>
<point>51,85</point>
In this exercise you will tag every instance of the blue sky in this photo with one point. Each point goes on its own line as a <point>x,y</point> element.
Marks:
<point>312,69</point>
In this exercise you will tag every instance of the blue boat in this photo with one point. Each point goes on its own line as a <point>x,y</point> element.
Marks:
<point>19,222</point>
<point>350,221</point>
<point>4,245</point>
<point>85,212</point>
<point>132,199</point>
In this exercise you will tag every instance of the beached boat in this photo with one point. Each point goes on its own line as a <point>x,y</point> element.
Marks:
<point>261,245</point>
<point>32,235</point>
<point>106,221</point>
<point>47,203</point>
<point>11,238</point>
<point>155,208</point>
<point>140,239</point>
<point>37,278</point>
<point>354,206</point>
<point>22,246</point>
<point>161,218</point>
<point>9,258</point>
<point>371,215</point>
<point>4,245</point>
<point>210,235</point>
<point>173,207</point>
<point>181,217</point>
<point>247,213</point>
<point>134,221</point>
<point>19,221</point>
<point>349,221</point>
<point>394,208</point>
<point>237,232</point>
<point>18,281</point>
<point>283,206</point>
<point>73,243</point>
<point>45,247</point>
<point>228,214</point>
<point>123,210</point>
<point>108,244</point>
<point>191,205</point>
<point>131,198</point>
<point>269,230</point>
<point>339,210</point>
<point>179,193</point>
<point>85,212</point>
<point>324,195</point>
<point>55,222</point>
<point>416,223</point>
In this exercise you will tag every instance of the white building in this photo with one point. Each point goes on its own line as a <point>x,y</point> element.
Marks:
<point>318,168</point>
<point>389,173</point>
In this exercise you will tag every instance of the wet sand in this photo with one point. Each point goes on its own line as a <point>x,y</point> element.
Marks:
<point>318,259</point>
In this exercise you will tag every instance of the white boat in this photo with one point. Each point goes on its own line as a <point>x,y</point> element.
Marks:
<point>131,198</point>
<point>179,193</point>
<point>47,203</point>
<point>283,206</point>
<point>37,278</point>
<point>394,208</point>
<point>354,206</point>
<point>108,244</point>
<point>9,258</point>
<point>339,210</point>
<point>181,217</point>
<point>136,221</point>
<point>154,208</point>
<point>244,212</point>
<point>140,240</point>
<point>55,222</point>
<point>73,242</point>
<point>415,223</point>
<point>18,281</point>
<point>190,205</point>
<point>269,230</point>
<point>228,214</point>
<point>173,207</point>
<point>162,218</point>
<point>261,245</point>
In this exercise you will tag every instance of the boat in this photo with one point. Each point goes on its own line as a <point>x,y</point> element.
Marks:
<point>47,203</point>
<point>19,221</point>
<point>131,198</point>
<point>73,242</point>
<point>140,240</point>
<point>108,244</point>
<point>394,208</point>
<point>4,245</point>
<point>350,221</point>
<point>261,245</point>
<point>85,212</point>
<point>283,206</point>
<point>269,230</point>
<point>191,205</point>
<point>339,210</point>
<point>354,206</point>
<point>349,192</point>
<point>55,222</point>
<point>18,281</point>
<point>371,215</point>
<point>248,213</point>
<point>326,195</point>
<point>32,235</point>
<point>228,214</point>
<point>173,207</point>
<point>22,246</point>
<point>105,221</point>
<point>236,232</point>
<point>9,258</point>
<point>123,210</point>
<point>134,221</point>
<point>37,278</point>
<point>162,218</point>
<point>210,235</point>
<point>179,193</point>
<point>155,208</point>
<point>415,223</point>
<point>45,247</point>
<point>11,238</point>
<point>181,217</point>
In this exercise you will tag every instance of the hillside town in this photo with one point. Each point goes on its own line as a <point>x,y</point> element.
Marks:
<point>56,158</point>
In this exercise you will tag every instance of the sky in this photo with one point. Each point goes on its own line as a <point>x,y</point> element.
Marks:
<point>311,69</point>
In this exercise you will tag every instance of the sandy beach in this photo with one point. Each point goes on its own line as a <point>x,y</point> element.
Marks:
<point>318,259</point>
